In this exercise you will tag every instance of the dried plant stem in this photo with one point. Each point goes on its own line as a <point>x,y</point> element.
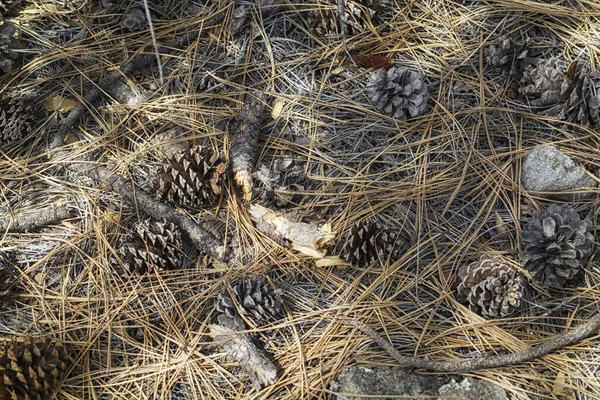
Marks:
<point>36,218</point>
<point>203,240</point>
<point>154,43</point>
<point>106,84</point>
<point>581,332</point>
<point>244,145</point>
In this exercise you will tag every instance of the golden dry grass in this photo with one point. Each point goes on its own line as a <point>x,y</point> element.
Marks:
<point>445,179</point>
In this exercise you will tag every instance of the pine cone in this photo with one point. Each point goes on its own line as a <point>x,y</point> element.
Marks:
<point>8,45</point>
<point>368,241</point>
<point>153,246</point>
<point>15,118</point>
<point>192,178</point>
<point>134,20</point>
<point>583,105</point>
<point>557,245</point>
<point>358,15</point>
<point>32,369</point>
<point>507,57</point>
<point>6,281</point>
<point>254,298</point>
<point>398,92</point>
<point>544,83</point>
<point>491,287</point>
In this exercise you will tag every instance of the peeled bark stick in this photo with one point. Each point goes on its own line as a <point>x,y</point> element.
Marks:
<point>244,145</point>
<point>581,332</point>
<point>203,240</point>
<point>106,84</point>
<point>260,369</point>
<point>37,218</point>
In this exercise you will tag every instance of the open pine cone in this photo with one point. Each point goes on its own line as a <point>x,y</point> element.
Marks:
<point>8,46</point>
<point>15,118</point>
<point>153,246</point>
<point>254,298</point>
<point>399,92</point>
<point>358,15</point>
<point>583,104</point>
<point>32,369</point>
<point>507,57</point>
<point>544,84</point>
<point>191,178</point>
<point>490,287</point>
<point>368,241</point>
<point>557,245</point>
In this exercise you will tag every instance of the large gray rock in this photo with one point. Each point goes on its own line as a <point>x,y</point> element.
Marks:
<point>547,169</point>
<point>361,383</point>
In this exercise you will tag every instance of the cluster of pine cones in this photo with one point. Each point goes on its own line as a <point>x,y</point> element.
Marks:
<point>557,245</point>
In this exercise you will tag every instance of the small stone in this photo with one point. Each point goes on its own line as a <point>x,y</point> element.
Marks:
<point>547,169</point>
<point>362,383</point>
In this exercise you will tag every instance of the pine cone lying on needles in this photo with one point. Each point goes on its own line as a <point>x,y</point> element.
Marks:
<point>15,118</point>
<point>32,369</point>
<point>358,16</point>
<point>507,57</point>
<point>399,92</point>
<point>152,246</point>
<point>254,298</point>
<point>557,245</point>
<point>8,46</point>
<point>544,83</point>
<point>368,241</point>
<point>583,104</point>
<point>490,287</point>
<point>191,178</point>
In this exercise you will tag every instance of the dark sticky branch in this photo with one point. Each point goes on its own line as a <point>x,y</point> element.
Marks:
<point>106,84</point>
<point>244,144</point>
<point>37,218</point>
<point>581,332</point>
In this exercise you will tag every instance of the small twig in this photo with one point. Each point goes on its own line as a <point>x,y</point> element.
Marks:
<point>581,332</point>
<point>154,43</point>
<point>37,218</point>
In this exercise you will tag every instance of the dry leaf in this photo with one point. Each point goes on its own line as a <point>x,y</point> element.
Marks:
<point>59,103</point>
<point>277,108</point>
<point>332,261</point>
<point>306,238</point>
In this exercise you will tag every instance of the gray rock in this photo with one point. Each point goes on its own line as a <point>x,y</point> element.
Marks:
<point>547,169</point>
<point>361,383</point>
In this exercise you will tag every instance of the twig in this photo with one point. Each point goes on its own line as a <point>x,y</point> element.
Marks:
<point>203,240</point>
<point>36,219</point>
<point>154,43</point>
<point>244,145</point>
<point>581,332</point>
<point>111,79</point>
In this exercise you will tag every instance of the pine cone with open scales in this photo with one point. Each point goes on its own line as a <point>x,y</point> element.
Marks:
<point>398,92</point>
<point>491,287</point>
<point>367,241</point>
<point>557,245</point>
<point>358,16</point>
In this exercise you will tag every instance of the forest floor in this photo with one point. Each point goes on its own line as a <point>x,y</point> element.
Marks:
<point>448,180</point>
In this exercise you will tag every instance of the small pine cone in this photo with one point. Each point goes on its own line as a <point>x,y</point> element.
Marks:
<point>507,57</point>
<point>8,45</point>
<point>32,369</point>
<point>254,298</point>
<point>490,287</point>
<point>368,241</point>
<point>544,83</point>
<point>398,92</point>
<point>192,178</point>
<point>358,15</point>
<point>153,246</point>
<point>557,245</point>
<point>583,105</point>
<point>15,118</point>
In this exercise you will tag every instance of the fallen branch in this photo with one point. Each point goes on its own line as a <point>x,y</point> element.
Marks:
<point>106,84</point>
<point>581,332</point>
<point>37,218</point>
<point>260,369</point>
<point>244,145</point>
<point>203,240</point>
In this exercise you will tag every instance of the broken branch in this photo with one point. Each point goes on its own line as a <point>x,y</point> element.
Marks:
<point>37,218</point>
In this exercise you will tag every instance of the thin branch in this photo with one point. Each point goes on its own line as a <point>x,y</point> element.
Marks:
<point>154,43</point>
<point>581,332</point>
<point>37,218</point>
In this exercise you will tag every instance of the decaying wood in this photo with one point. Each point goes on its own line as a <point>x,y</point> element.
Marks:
<point>203,240</point>
<point>244,144</point>
<point>106,84</point>
<point>37,218</point>
<point>260,369</point>
<point>305,238</point>
<point>581,332</point>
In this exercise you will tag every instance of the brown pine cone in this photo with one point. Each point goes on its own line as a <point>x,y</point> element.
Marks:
<point>358,15</point>
<point>368,241</point>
